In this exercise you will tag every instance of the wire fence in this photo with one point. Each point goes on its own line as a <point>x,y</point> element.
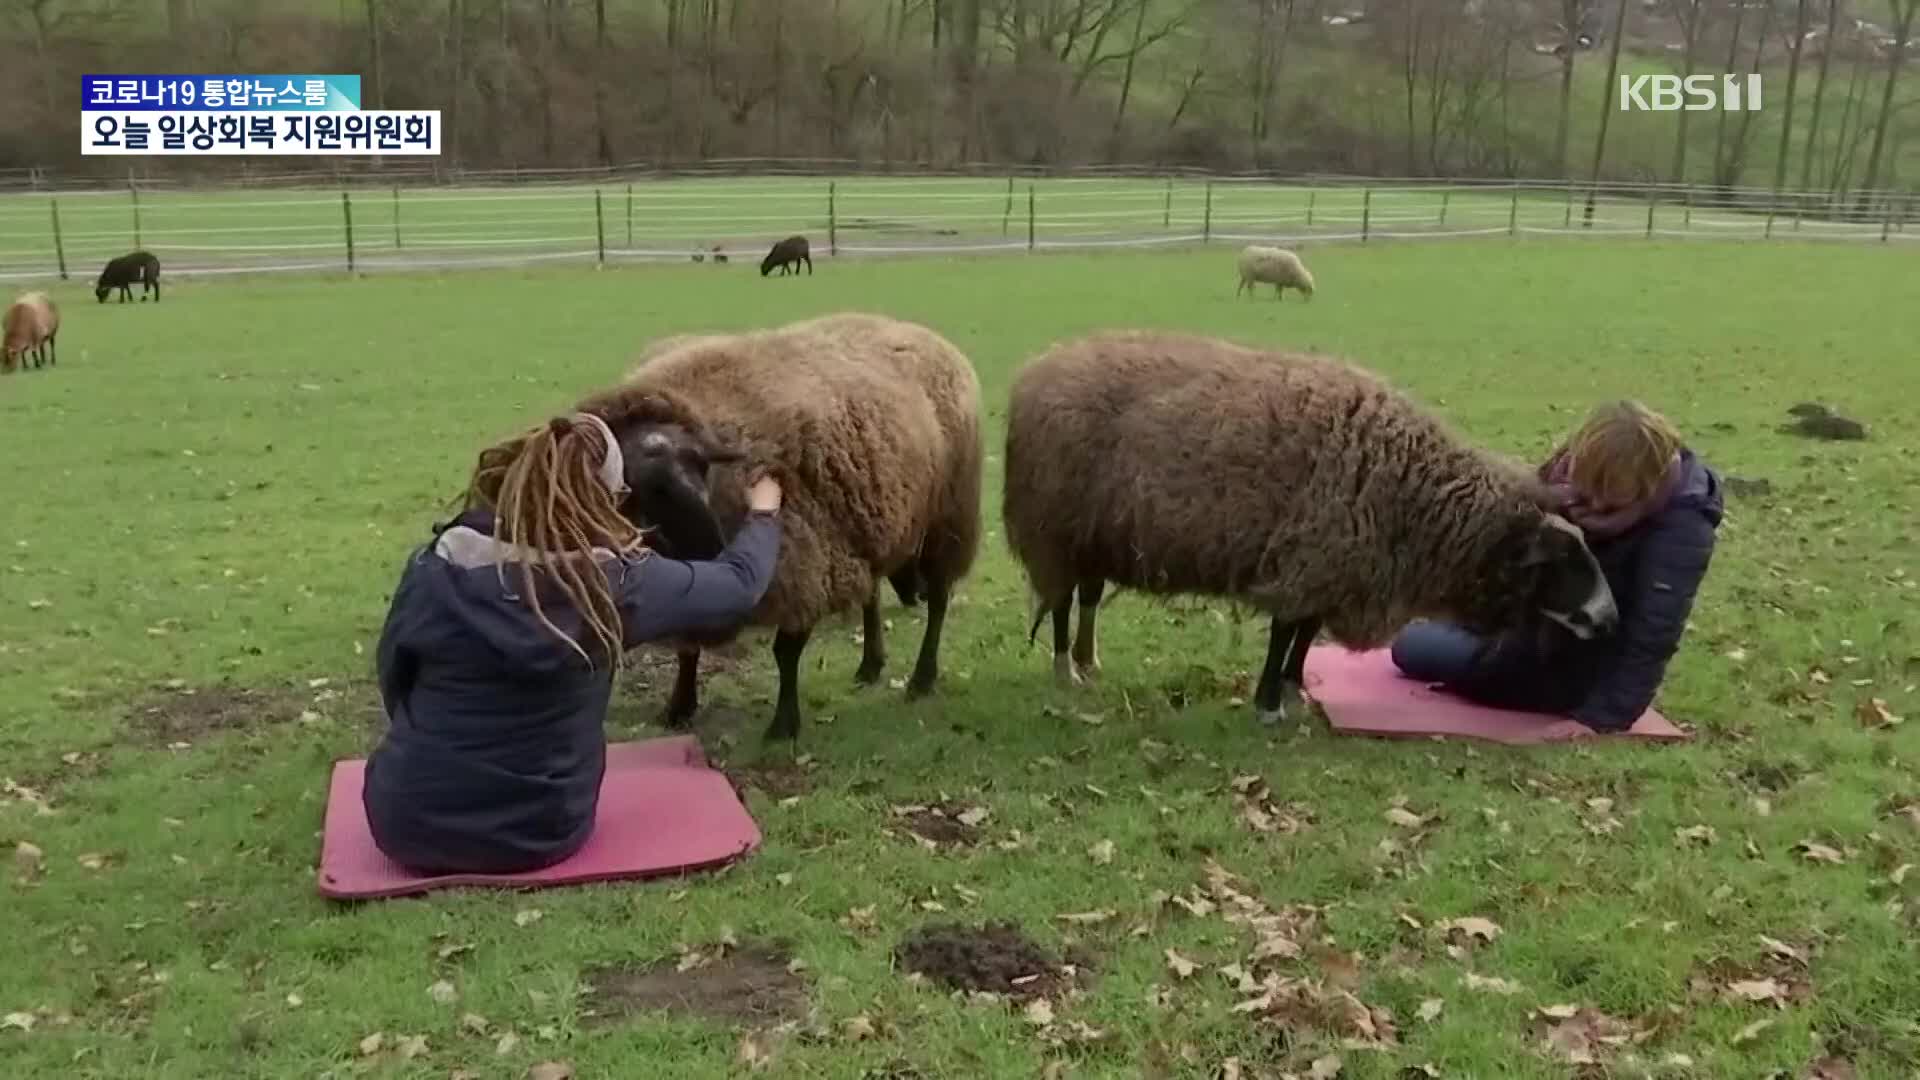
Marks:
<point>423,219</point>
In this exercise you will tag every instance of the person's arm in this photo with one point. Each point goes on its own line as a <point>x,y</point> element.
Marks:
<point>394,665</point>
<point>660,597</point>
<point>1671,566</point>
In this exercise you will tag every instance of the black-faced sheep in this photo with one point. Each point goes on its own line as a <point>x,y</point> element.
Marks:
<point>31,324</point>
<point>789,252</point>
<point>139,266</point>
<point>1273,266</point>
<point>872,426</point>
<point>1298,485</point>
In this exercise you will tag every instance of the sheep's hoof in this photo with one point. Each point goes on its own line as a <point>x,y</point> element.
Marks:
<point>869,672</point>
<point>677,719</point>
<point>1089,668</point>
<point>918,687</point>
<point>1064,673</point>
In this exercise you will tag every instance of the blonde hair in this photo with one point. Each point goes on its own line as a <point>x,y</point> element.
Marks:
<point>550,504</point>
<point>1621,453</point>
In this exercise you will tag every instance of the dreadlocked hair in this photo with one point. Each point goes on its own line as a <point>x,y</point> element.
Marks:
<point>551,507</point>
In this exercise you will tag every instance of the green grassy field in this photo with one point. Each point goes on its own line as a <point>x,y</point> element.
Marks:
<point>208,501</point>
<point>434,227</point>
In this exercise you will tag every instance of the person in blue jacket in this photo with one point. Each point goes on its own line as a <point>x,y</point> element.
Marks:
<point>496,663</point>
<point>1649,508</point>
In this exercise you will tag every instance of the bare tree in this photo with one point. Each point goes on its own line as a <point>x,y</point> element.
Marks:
<point>1606,105</point>
<point>603,146</point>
<point>1793,81</point>
<point>1569,25</point>
<point>1691,15</point>
<point>1903,16</point>
<point>1828,42</point>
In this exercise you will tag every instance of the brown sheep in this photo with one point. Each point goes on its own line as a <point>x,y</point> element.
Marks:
<point>31,324</point>
<point>1299,485</point>
<point>872,426</point>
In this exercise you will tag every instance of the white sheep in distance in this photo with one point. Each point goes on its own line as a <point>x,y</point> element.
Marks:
<point>1260,265</point>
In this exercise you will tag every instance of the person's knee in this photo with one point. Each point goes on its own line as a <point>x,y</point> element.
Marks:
<point>1431,652</point>
<point>1411,654</point>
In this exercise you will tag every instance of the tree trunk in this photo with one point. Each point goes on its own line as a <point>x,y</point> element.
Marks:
<point>1570,35</point>
<point>1736,164</point>
<point>1126,75</point>
<point>548,60</point>
<point>1819,97</point>
<point>1606,102</point>
<point>1410,79</point>
<point>1840,173</point>
<point>1690,28</point>
<point>457,33</point>
<point>179,14</point>
<point>603,144</point>
<point>1904,11</point>
<point>1793,80</point>
<point>373,49</point>
<point>1720,128</point>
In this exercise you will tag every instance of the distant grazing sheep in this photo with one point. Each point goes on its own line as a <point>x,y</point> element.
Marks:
<point>718,255</point>
<point>1299,485</point>
<point>140,266</point>
<point>789,252</point>
<point>1273,266</point>
<point>29,328</point>
<point>871,425</point>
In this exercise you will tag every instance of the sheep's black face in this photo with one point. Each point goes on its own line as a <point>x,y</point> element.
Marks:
<point>1569,587</point>
<point>667,468</point>
<point>100,293</point>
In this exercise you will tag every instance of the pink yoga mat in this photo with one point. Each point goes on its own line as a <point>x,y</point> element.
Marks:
<point>662,810</point>
<point>1362,693</point>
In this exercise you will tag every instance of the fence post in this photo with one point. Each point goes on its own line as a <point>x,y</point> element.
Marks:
<point>346,213</point>
<point>1030,214</point>
<point>1568,223</point>
<point>1686,222</point>
<point>1513,211</point>
<point>396,217</point>
<point>1166,215</point>
<point>1799,208</point>
<point>629,217</point>
<point>59,248</point>
<point>1886,222</point>
<point>133,189</point>
<point>1444,192</point>
<point>599,229</point>
<point>1206,220</point>
<point>833,220</point>
<point>1366,213</point>
<point>1006,215</point>
<point>1311,192</point>
<point>1652,201</point>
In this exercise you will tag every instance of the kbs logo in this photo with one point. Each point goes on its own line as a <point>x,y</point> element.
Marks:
<point>1666,93</point>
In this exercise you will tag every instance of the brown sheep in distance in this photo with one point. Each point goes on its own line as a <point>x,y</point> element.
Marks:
<point>872,426</point>
<point>31,324</point>
<point>789,252</point>
<point>1299,485</point>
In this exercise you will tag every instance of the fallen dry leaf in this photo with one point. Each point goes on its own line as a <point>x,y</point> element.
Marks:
<point>551,1070</point>
<point>1695,834</point>
<point>443,992</point>
<point>1429,1010</point>
<point>1816,852</point>
<point>1751,1031</point>
<point>1325,1068</point>
<point>783,880</point>
<point>93,860</point>
<point>1472,927</point>
<point>1899,875</point>
<point>1758,990</point>
<point>973,818</point>
<point>754,1052</point>
<point>1039,1012</point>
<point>1873,713</point>
<point>506,1044</point>
<point>1483,982</point>
<point>528,916</point>
<point>474,1023</point>
<point>1180,966</point>
<point>1783,950</point>
<point>1086,918</point>
<point>410,1046</point>
<point>19,1021</point>
<point>1830,1067</point>
<point>858,1028</point>
<point>371,1045</point>
<point>1583,1036</point>
<point>1101,853</point>
<point>1404,818</point>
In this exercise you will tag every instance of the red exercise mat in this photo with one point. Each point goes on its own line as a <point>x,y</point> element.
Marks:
<point>662,810</point>
<point>1362,693</point>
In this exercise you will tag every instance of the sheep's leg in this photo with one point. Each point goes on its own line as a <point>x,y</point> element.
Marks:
<point>1269,697</point>
<point>1086,650</point>
<point>787,647</point>
<point>1294,678</point>
<point>686,690</point>
<point>809,266</point>
<point>1063,672</point>
<point>926,670</point>
<point>873,649</point>
<point>53,352</point>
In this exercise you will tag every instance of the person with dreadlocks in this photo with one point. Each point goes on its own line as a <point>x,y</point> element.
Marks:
<point>496,663</point>
<point>1649,509</point>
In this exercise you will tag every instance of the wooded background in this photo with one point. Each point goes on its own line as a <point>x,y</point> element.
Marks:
<point>1362,87</point>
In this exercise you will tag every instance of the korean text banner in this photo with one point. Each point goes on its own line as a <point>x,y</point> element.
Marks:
<point>223,93</point>
<point>372,131</point>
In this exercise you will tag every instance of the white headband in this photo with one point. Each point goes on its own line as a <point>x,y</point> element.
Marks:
<point>613,470</point>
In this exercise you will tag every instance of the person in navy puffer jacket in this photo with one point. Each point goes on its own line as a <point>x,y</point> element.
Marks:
<point>496,662</point>
<point>1650,509</point>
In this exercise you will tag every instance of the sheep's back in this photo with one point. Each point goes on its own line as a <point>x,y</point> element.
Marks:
<point>1176,463</point>
<point>846,417</point>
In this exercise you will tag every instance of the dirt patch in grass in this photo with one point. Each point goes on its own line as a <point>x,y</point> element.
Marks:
<point>189,713</point>
<point>776,780</point>
<point>748,984</point>
<point>996,958</point>
<point>947,823</point>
